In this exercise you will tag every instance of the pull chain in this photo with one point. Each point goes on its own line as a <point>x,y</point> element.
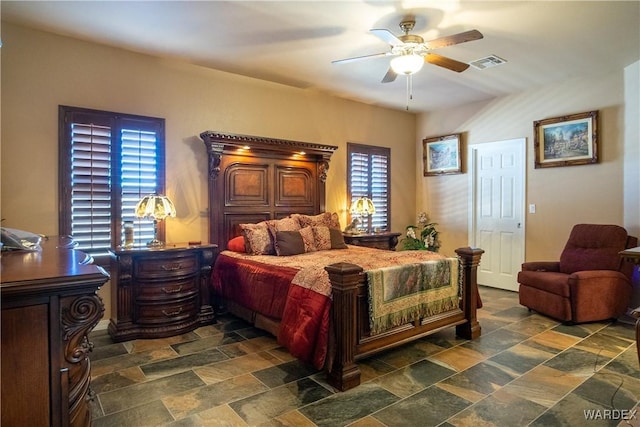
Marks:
<point>408,77</point>
<point>409,90</point>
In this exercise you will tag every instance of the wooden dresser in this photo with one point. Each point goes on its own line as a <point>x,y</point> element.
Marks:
<point>160,292</point>
<point>49,306</point>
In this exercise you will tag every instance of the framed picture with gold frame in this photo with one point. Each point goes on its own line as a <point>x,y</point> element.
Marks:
<point>441,155</point>
<point>566,141</point>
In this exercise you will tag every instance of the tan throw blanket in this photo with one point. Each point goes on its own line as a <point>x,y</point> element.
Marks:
<point>404,293</point>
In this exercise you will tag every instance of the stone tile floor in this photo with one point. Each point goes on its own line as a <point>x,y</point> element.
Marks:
<point>525,369</point>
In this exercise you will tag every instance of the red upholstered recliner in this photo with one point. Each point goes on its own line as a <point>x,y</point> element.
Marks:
<point>591,281</point>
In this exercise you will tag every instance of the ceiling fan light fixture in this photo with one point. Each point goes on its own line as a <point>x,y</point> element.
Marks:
<point>407,64</point>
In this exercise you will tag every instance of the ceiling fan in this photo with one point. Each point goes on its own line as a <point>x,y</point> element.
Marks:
<point>410,51</point>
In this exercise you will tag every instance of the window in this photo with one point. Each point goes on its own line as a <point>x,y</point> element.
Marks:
<point>368,172</point>
<point>108,161</point>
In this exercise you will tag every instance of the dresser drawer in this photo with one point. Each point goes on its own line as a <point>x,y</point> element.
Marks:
<point>166,291</point>
<point>163,267</point>
<point>154,314</point>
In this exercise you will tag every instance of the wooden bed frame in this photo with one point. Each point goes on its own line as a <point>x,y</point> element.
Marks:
<point>252,179</point>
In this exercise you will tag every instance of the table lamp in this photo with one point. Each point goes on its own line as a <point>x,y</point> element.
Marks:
<point>363,206</point>
<point>158,208</point>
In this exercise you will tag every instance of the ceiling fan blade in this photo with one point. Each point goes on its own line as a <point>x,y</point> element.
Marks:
<point>443,61</point>
<point>390,76</point>
<point>387,36</point>
<point>358,58</point>
<point>467,36</point>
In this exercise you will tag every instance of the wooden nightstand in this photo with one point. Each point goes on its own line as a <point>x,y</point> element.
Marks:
<point>160,292</point>
<point>386,240</point>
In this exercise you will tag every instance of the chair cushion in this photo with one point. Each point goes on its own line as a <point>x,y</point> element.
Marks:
<point>593,247</point>
<point>548,281</point>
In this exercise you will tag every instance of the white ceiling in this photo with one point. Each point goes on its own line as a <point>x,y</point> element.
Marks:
<point>294,42</point>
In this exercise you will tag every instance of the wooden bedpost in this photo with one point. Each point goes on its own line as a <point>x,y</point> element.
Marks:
<point>343,372</point>
<point>470,259</point>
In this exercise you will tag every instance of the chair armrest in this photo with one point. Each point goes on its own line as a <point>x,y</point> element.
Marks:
<point>599,286</point>
<point>541,266</point>
<point>598,275</point>
<point>599,294</point>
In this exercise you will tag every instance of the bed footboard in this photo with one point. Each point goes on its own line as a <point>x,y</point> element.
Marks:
<point>350,339</point>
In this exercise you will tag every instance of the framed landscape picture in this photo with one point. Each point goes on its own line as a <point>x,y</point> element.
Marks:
<point>566,141</point>
<point>441,155</point>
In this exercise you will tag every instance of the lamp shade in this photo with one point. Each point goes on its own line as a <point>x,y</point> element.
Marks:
<point>155,206</point>
<point>363,206</point>
<point>407,64</point>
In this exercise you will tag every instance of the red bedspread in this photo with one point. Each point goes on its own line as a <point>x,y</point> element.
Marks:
<point>265,288</point>
<point>296,290</point>
<point>257,286</point>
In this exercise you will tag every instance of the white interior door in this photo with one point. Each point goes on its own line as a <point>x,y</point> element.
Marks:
<point>497,218</point>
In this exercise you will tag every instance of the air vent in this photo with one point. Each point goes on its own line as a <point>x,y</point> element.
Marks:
<point>487,62</point>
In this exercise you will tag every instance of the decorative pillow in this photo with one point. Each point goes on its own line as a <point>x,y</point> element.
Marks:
<point>337,239</point>
<point>309,239</point>
<point>327,219</point>
<point>284,224</point>
<point>328,238</point>
<point>257,239</point>
<point>322,237</point>
<point>335,221</point>
<point>289,243</point>
<point>236,244</point>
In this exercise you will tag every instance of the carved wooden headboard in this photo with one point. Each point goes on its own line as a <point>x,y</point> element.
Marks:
<point>252,179</point>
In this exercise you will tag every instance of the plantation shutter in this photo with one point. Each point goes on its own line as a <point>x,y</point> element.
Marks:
<point>91,186</point>
<point>108,161</point>
<point>139,175</point>
<point>368,176</point>
<point>359,175</point>
<point>380,190</point>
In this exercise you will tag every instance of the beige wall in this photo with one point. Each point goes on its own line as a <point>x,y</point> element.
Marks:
<point>41,71</point>
<point>563,195</point>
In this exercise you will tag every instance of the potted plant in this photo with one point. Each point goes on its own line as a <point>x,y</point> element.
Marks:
<point>422,237</point>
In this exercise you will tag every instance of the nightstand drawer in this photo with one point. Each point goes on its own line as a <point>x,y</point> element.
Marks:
<point>166,291</point>
<point>150,268</point>
<point>149,314</point>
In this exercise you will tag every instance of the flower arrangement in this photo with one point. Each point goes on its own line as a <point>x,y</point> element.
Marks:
<point>428,239</point>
